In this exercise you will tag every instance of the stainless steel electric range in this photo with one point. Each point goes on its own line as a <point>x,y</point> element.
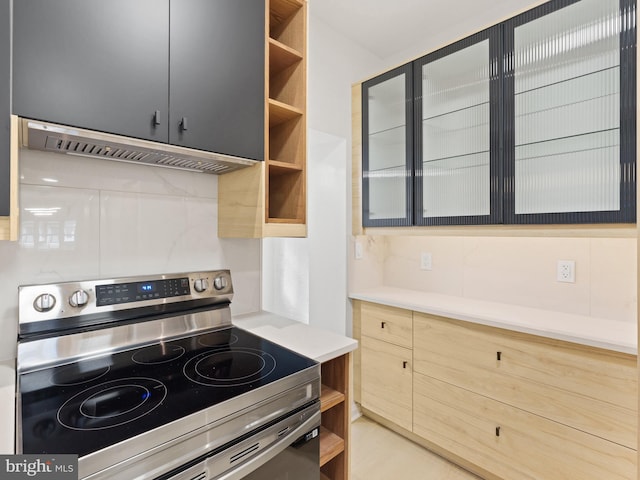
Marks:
<point>147,378</point>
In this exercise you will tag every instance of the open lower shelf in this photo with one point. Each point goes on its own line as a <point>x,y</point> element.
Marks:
<point>331,445</point>
<point>330,398</point>
<point>323,476</point>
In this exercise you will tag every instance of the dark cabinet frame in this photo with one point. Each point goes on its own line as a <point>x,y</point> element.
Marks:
<point>407,71</point>
<point>495,112</point>
<point>502,130</point>
<point>627,212</point>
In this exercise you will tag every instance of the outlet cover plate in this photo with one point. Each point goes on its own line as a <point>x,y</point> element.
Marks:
<point>566,271</point>
<point>425,261</point>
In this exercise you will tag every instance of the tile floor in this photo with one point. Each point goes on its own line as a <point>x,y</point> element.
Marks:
<point>380,454</point>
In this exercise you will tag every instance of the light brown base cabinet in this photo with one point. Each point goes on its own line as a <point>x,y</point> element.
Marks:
<point>502,404</point>
<point>335,403</point>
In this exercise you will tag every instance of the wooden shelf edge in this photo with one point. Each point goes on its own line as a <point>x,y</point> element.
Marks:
<point>323,476</point>
<point>330,398</point>
<point>280,112</point>
<point>284,167</point>
<point>331,445</point>
<point>286,48</point>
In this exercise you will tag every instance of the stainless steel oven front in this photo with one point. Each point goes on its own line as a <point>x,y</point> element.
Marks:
<point>147,378</point>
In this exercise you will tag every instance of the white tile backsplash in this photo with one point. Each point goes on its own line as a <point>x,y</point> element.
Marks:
<point>514,270</point>
<point>86,218</point>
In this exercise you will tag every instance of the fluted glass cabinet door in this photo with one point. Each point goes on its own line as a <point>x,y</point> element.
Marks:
<point>570,90</point>
<point>457,115</point>
<point>387,149</point>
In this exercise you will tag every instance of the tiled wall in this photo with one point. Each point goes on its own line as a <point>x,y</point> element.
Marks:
<point>514,270</point>
<point>83,218</point>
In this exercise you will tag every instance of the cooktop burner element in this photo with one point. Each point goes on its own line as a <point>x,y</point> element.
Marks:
<point>217,339</point>
<point>158,353</point>
<point>231,368</point>
<point>79,373</point>
<point>111,404</point>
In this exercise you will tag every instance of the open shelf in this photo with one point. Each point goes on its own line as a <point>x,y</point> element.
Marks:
<point>280,112</point>
<point>330,398</point>
<point>281,56</point>
<point>331,445</point>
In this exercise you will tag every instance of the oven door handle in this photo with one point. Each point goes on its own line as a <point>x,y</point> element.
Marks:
<point>263,456</point>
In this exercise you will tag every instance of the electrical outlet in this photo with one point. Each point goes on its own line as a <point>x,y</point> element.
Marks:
<point>566,271</point>
<point>358,250</point>
<point>425,261</point>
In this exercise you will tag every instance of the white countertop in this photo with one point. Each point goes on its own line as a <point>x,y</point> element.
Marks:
<point>7,406</point>
<point>315,343</point>
<point>596,332</point>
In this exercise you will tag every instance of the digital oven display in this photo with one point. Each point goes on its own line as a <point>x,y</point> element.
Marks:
<point>117,293</point>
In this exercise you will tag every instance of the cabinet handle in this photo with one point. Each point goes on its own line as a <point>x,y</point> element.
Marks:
<point>497,431</point>
<point>404,364</point>
<point>499,355</point>
<point>382,324</point>
<point>183,124</point>
<point>156,118</point>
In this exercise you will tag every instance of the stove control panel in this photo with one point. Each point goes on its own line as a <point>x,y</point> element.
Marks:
<point>38,303</point>
<point>114,293</point>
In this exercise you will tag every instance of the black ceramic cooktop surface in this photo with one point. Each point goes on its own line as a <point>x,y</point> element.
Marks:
<point>86,406</point>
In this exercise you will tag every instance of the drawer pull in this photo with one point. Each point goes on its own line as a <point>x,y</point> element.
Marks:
<point>382,324</point>
<point>404,364</point>
<point>498,355</point>
<point>497,431</point>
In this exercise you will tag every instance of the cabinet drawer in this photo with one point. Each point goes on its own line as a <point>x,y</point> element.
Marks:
<point>390,324</point>
<point>387,384</point>
<point>586,388</point>
<point>511,443</point>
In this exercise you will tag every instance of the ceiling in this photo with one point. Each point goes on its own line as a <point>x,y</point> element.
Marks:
<point>388,27</point>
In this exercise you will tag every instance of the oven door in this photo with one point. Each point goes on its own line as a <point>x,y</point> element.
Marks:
<point>288,449</point>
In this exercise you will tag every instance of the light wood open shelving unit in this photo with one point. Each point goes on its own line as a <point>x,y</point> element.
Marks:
<point>269,199</point>
<point>334,432</point>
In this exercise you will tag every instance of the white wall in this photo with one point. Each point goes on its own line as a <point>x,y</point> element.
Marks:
<point>82,218</point>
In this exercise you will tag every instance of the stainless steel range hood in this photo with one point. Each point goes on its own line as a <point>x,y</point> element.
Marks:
<point>76,141</point>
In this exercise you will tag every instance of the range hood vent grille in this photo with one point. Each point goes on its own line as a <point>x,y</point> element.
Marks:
<point>74,141</point>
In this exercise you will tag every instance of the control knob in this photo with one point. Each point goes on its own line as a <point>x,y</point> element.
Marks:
<point>79,298</point>
<point>220,282</point>
<point>200,285</point>
<point>44,302</point>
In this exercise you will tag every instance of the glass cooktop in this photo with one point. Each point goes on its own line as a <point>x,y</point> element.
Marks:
<point>83,407</point>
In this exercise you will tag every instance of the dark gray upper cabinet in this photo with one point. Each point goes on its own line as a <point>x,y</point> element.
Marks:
<point>217,76</point>
<point>5,106</point>
<point>100,65</point>
<point>185,72</point>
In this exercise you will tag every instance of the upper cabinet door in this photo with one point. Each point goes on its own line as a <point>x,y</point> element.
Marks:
<point>387,149</point>
<point>217,92</point>
<point>5,109</point>
<point>96,64</point>
<point>457,132</point>
<point>570,88</point>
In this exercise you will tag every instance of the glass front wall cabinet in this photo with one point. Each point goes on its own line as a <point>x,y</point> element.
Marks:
<point>387,149</point>
<point>457,111</point>
<point>570,91</point>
